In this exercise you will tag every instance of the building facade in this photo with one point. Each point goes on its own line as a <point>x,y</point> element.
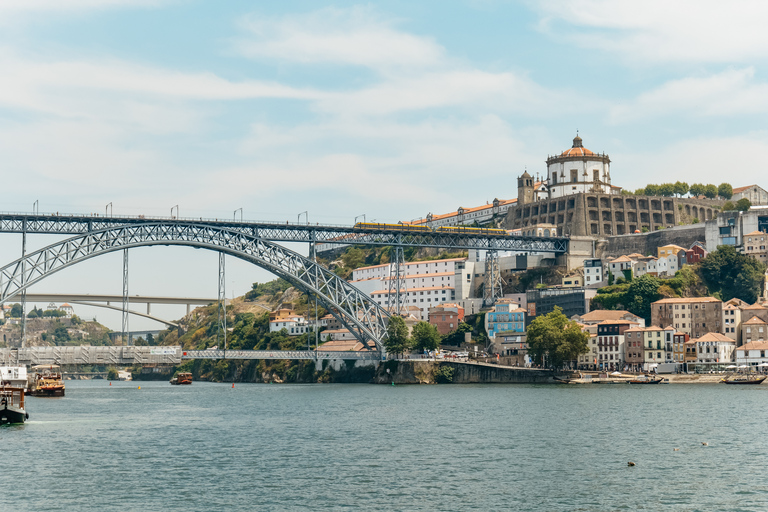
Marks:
<point>694,316</point>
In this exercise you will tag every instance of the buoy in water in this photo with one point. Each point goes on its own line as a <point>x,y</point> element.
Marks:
<point>233,385</point>
<point>110,383</point>
<point>139,387</point>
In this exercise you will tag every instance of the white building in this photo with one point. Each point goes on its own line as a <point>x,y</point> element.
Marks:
<point>295,325</point>
<point>752,354</point>
<point>714,347</point>
<point>578,170</point>
<point>593,272</point>
<point>429,283</point>
<point>755,194</point>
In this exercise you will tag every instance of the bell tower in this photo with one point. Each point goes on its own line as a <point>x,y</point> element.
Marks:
<point>525,189</point>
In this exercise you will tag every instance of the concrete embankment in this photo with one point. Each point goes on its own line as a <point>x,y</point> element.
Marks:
<point>441,372</point>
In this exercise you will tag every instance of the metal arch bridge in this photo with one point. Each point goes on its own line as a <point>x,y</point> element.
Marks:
<point>276,232</point>
<point>354,309</point>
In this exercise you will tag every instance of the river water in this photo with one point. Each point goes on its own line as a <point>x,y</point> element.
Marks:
<point>366,447</point>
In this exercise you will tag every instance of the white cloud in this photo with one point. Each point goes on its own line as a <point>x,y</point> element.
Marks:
<point>355,36</point>
<point>730,93</point>
<point>662,31</point>
<point>700,160</point>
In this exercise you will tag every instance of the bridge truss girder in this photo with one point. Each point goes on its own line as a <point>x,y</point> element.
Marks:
<point>306,233</point>
<point>356,310</point>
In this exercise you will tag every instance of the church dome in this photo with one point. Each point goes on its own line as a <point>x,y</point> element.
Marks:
<point>577,149</point>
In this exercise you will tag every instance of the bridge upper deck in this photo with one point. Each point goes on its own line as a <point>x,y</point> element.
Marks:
<point>73,224</point>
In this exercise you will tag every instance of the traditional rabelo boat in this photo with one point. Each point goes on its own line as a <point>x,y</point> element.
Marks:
<point>743,378</point>
<point>182,378</point>
<point>47,381</point>
<point>12,404</point>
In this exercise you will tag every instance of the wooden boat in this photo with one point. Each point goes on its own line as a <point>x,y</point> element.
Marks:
<point>182,378</point>
<point>12,405</point>
<point>743,378</point>
<point>47,381</point>
<point>645,379</point>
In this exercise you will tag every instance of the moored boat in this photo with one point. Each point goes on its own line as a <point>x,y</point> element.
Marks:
<point>12,405</point>
<point>182,378</point>
<point>743,378</point>
<point>48,381</point>
<point>645,379</point>
<point>14,376</point>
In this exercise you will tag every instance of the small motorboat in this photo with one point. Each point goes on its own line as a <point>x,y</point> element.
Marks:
<point>182,378</point>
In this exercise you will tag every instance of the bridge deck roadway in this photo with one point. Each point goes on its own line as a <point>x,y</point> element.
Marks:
<point>173,355</point>
<point>277,232</point>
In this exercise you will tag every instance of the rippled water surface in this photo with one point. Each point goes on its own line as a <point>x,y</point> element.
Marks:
<point>365,447</point>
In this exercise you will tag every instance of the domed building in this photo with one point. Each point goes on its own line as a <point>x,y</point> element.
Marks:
<point>577,199</point>
<point>578,170</point>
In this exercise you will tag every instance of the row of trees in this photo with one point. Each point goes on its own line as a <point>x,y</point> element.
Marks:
<point>681,188</point>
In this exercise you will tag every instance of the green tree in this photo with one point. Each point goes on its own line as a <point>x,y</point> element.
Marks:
<point>667,189</point>
<point>425,337</point>
<point>397,340</point>
<point>640,192</point>
<point>353,258</point>
<point>456,336</point>
<point>697,189</point>
<point>743,204</point>
<point>32,314</point>
<point>728,274</point>
<point>112,373</point>
<point>16,311</point>
<point>729,206</point>
<point>681,188</point>
<point>651,190</point>
<point>725,190</point>
<point>554,340</point>
<point>641,293</point>
<point>151,339</point>
<point>710,191</point>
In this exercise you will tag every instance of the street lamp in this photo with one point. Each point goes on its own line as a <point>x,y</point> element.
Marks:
<point>306,217</point>
<point>177,212</point>
<point>108,210</point>
<point>235,214</point>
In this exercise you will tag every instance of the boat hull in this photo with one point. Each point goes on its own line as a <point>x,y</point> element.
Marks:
<point>47,392</point>
<point>755,381</point>
<point>11,415</point>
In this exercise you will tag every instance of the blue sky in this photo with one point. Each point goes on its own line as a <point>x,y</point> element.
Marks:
<point>393,109</point>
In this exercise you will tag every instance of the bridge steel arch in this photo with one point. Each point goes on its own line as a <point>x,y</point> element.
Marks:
<point>356,310</point>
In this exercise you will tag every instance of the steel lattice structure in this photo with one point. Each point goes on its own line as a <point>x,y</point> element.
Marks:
<point>356,310</point>
<point>275,232</point>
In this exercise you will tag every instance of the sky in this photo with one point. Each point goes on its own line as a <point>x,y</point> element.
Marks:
<point>389,109</point>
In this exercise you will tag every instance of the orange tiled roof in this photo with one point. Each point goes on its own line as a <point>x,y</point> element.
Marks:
<point>754,321</point>
<point>714,336</point>
<point>604,314</point>
<point>754,345</point>
<point>742,189</point>
<point>691,300</point>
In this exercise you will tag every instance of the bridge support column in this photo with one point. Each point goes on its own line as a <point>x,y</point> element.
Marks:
<point>493,290</point>
<point>23,278</point>
<point>126,334</point>
<point>397,296</point>
<point>222,302</point>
